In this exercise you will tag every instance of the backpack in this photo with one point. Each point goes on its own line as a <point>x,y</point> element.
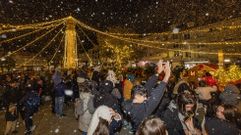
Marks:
<point>33,102</point>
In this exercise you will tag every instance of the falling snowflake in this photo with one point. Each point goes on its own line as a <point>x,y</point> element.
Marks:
<point>56,130</point>
<point>10,1</point>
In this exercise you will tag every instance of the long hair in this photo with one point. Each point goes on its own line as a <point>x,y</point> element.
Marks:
<point>102,128</point>
<point>152,126</point>
<point>232,114</point>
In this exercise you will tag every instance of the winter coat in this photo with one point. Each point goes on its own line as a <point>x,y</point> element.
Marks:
<point>84,119</point>
<point>56,78</point>
<point>104,96</point>
<point>173,122</point>
<point>138,112</point>
<point>12,95</point>
<point>59,90</point>
<point>215,126</point>
<point>127,89</point>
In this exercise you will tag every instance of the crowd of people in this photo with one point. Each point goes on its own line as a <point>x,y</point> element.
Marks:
<point>105,103</point>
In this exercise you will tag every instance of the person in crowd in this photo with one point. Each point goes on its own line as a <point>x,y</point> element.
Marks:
<point>119,88</point>
<point>226,121</point>
<point>143,106</point>
<point>12,94</point>
<point>59,98</point>
<point>29,105</point>
<point>128,85</point>
<point>56,79</point>
<point>75,86</point>
<point>152,126</point>
<point>231,95</point>
<point>204,91</point>
<point>11,118</point>
<point>179,117</point>
<point>105,97</point>
<point>84,108</point>
<point>96,74</point>
<point>105,113</point>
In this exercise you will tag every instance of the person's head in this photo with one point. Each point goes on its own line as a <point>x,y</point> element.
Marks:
<point>139,94</point>
<point>230,95</point>
<point>102,128</point>
<point>152,126</point>
<point>186,102</point>
<point>106,86</point>
<point>228,112</point>
<point>13,83</point>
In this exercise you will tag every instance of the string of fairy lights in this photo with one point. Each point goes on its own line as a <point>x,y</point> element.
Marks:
<point>86,53</point>
<point>26,34</point>
<point>200,29</point>
<point>30,43</point>
<point>47,45</point>
<point>88,38</point>
<point>55,53</point>
<point>157,42</point>
<point>125,37</point>
<point>140,42</point>
<point>4,28</point>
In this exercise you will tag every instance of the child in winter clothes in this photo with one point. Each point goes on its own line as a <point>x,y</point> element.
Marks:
<point>11,118</point>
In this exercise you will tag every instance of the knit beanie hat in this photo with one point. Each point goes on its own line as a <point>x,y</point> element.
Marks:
<point>230,95</point>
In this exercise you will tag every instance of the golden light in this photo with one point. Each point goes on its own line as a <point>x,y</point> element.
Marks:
<point>70,54</point>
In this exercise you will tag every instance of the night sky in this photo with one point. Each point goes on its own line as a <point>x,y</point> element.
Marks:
<point>140,16</point>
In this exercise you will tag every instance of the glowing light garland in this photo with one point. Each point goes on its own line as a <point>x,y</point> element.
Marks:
<point>61,41</point>
<point>87,36</point>
<point>30,26</point>
<point>84,48</point>
<point>26,34</point>
<point>136,42</point>
<point>200,29</point>
<point>157,42</point>
<point>47,45</point>
<point>31,42</point>
<point>45,25</point>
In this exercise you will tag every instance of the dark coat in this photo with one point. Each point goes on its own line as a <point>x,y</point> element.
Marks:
<point>59,90</point>
<point>173,123</point>
<point>215,126</point>
<point>12,95</point>
<point>137,112</point>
